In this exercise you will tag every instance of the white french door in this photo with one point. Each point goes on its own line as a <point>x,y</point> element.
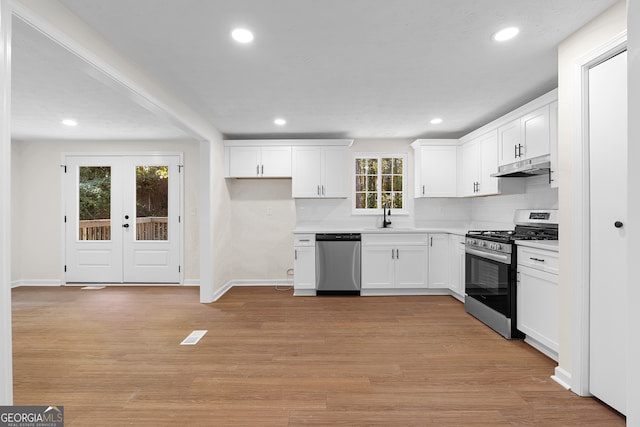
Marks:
<point>122,218</point>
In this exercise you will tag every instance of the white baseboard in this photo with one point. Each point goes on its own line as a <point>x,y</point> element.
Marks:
<point>231,283</point>
<point>20,283</point>
<point>191,282</point>
<point>562,377</point>
<point>26,283</point>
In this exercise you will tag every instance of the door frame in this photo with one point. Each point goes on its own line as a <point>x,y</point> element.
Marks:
<point>63,231</point>
<point>581,236</point>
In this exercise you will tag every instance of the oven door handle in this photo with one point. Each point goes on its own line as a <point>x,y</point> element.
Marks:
<point>503,258</point>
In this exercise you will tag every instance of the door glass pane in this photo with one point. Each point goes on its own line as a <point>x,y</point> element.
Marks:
<point>152,202</point>
<point>95,203</point>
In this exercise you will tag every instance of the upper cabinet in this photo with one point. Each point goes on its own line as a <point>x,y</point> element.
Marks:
<point>526,137</point>
<point>255,159</point>
<point>435,167</point>
<point>479,161</point>
<point>554,177</point>
<point>321,171</point>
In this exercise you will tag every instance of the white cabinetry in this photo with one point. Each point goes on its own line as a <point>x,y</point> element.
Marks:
<point>320,171</point>
<point>524,138</point>
<point>479,161</point>
<point>439,261</point>
<point>537,298</point>
<point>435,168</point>
<point>456,265</point>
<point>304,264</point>
<point>394,261</point>
<point>554,175</point>
<point>246,159</point>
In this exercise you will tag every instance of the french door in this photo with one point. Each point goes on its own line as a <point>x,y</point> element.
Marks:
<point>122,219</point>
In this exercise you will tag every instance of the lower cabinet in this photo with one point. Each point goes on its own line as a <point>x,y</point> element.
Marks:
<point>304,264</point>
<point>439,261</point>
<point>394,261</point>
<point>537,299</point>
<point>456,265</point>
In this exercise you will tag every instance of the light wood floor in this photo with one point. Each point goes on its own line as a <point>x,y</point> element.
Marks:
<point>112,358</point>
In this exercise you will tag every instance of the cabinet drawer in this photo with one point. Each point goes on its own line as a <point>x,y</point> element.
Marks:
<point>538,259</point>
<point>304,240</point>
<point>394,239</point>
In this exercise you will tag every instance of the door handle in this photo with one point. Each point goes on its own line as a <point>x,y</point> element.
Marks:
<point>125,225</point>
<point>262,170</point>
<point>618,224</point>
<point>257,170</point>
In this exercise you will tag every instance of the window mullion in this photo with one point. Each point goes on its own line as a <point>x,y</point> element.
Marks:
<point>379,178</point>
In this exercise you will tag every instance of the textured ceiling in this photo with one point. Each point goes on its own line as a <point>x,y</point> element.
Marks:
<point>332,68</point>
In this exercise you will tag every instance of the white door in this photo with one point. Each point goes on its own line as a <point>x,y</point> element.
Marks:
<point>411,267</point>
<point>608,188</point>
<point>122,218</point>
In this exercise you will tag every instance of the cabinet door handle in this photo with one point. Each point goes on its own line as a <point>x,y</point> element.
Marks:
<point>536,259</point>
<point>261,169</point>
<point>295,254</point>
<point>431,241</point>
<point>397,253</point>
<point>318,190</point>
<point>323,190</point>
<point>520,150</point>
<point>423,189</point>
<point>515,152</point>
<point>393,256</point>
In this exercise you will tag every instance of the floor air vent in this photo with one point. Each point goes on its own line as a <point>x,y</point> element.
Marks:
<point>193,338</point>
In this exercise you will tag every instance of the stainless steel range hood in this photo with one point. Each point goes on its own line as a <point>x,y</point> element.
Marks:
<point>530,167</point>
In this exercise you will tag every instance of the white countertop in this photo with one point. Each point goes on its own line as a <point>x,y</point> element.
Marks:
<point>550,245</point>
<point>373,230</point>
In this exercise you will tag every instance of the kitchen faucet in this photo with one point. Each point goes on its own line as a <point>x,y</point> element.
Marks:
<point>385,223</point>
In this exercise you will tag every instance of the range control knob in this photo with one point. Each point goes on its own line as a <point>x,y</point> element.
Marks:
<point>498,247</point>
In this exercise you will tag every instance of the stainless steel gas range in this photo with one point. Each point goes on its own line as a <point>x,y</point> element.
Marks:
<point>490,274</point>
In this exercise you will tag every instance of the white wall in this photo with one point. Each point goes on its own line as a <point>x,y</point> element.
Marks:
<point>263,218</point>
<point>37,195</point>
<point>602,29</point>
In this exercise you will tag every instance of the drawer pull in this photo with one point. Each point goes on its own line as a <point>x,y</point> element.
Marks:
<point>537,259</point>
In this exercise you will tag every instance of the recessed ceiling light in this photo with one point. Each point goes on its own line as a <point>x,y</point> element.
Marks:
<point>280,122</point>
<point>436,121</point>
<point>506,34</point>
<point>69,122</point>
<point>242,35</point>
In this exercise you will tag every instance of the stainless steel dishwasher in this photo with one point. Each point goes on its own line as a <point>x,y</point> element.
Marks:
<point>338,263</point>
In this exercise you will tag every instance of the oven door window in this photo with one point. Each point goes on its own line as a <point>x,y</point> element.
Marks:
<point>488,282</point>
